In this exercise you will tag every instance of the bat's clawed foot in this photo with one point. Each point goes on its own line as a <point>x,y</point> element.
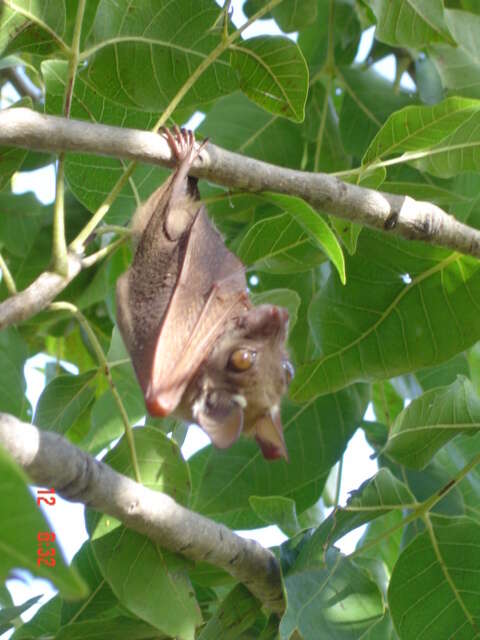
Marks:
<point>182,143</point>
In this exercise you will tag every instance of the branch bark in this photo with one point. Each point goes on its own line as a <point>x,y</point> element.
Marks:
<point>38,295</point>
<point>400,215</point>
<point>50,460</point>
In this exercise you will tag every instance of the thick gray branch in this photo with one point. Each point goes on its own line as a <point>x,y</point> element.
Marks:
<point>38,295</point>
<point>392,213</point>
<point>51,461</point>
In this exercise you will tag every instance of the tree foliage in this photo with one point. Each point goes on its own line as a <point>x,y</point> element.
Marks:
<point>374,318</point>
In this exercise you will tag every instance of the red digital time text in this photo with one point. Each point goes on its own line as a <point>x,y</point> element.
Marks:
<point>46,539</point>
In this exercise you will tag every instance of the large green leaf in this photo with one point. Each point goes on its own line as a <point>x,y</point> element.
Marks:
<point>368,102</point>
<point>431,420</point>
<point>319,232</point>
<point>401,310</point>
<point>273,74</point>
<point>326,151</point>
<point>433,591</point>
<point>316,436</point>
<point>411,23</point>
<point>279,244</point>
<point>163,41</point>
<point>374,498</point>
<point>459,66</point>
<point>331,593</point>
<point>430,129</point>
<point>64,400</point>
<point>315,39</point>
<point>454,457</point>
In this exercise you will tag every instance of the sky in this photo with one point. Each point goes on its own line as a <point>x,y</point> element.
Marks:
<point>67,518</point>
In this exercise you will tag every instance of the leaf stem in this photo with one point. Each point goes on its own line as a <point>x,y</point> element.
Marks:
<point>59,248</point>
<point>103,252</point>
<point>102,360</point>
<point>7,277</point>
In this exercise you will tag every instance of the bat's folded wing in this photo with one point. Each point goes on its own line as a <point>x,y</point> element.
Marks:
<point>211,289</point>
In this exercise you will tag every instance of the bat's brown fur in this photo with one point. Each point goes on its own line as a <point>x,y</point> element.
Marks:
<point>183,310</point>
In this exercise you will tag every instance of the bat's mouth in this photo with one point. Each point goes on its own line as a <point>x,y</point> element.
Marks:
<point>269,435</point>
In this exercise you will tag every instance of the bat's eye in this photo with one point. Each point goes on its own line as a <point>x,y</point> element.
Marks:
<point>289,370</point>
<point>242,359</point>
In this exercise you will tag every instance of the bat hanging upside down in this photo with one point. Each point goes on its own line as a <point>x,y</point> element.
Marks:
<point>200,349</point>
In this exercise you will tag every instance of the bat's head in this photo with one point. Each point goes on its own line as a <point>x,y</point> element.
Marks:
<point>239,387</point>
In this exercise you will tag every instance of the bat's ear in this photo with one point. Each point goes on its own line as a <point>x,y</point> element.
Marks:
<point>221,416</point>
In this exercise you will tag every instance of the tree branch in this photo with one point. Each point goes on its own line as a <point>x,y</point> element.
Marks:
<point>50,460</point>
<point>38,295</point>
<point>400,215</point>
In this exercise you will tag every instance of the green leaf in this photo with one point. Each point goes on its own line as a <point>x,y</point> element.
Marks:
<point>453,458</point>
<point>321,129</point>
<point>368,102</point>
<point>444,374</point>
<point>387,402</point>
<point>11,615</point>
<point>361,327</point>
<point>414,128</point>
<point>290,15</point>
<point>432,592</point>
<point>161,41</point>
<point>22,520</point>
<point>273,74</point>
<point>129,560</point>
<point>333,594</point>
<point>293,15</point>
<point>432,420</point>
<point>459,66</point>
<point>22,217</point>
<point>64,400</point>
<point>235,123</point>
<point>411,23</point>
<point>374,498</point>
<point>317,229</point>
<point>13,354</point>
<point>315,39</point>
<point>447,133</point>
<point>106,418</point>
<point>234,615</point>
<point>276,510</point>
<point>316,436</point>
<point>279,244</point>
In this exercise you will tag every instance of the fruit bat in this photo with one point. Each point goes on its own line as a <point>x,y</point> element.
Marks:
<point>200,349</point>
